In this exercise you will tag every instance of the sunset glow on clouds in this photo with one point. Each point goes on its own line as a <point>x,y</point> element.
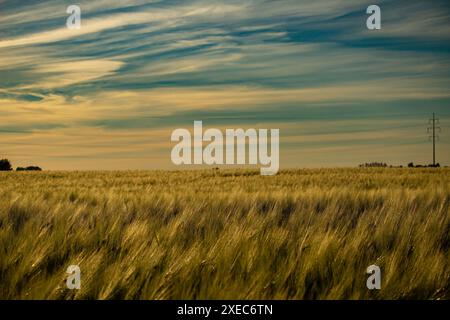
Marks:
<point>108,95</point>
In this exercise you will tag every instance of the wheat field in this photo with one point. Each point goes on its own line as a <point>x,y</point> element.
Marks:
<point>226,234</point>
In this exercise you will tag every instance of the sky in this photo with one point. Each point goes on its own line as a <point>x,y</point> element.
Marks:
<point>109,95</point>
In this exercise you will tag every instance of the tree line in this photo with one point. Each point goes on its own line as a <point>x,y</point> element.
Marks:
<point>5,165</point>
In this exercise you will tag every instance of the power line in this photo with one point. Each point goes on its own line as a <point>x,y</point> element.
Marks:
<point>434,136</point>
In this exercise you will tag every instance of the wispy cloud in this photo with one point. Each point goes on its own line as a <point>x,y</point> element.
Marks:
<point>62,74</point>
<point>113,21</point>
<point>138,69</point>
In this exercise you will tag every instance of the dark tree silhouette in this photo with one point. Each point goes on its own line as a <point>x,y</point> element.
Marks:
<point>33,168</point>
<point>5,165</point>
<point>30,168</point>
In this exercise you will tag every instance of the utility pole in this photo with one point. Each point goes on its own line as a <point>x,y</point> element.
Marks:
<point>434,136</point>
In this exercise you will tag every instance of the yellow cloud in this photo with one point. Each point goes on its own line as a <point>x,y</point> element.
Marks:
<point>71,72</point>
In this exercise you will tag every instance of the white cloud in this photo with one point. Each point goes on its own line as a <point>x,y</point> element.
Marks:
<point>94,25</point>
<point>60,74</point>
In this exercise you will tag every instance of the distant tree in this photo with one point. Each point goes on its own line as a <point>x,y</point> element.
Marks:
<point>373,165</point>
<point>5,165</point>
<point>33,168</point>
<point>30,168</point>
<point>411,165</point>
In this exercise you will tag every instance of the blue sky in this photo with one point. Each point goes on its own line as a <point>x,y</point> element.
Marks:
<point>110,94</point>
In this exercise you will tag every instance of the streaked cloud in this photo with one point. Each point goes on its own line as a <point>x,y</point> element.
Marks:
<point>138,69</point>
<point>62,74</point>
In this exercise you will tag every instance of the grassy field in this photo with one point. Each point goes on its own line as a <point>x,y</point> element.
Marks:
<point>217,234</point>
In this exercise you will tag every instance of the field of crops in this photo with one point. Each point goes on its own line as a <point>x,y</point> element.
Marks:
<point>221,234</point>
